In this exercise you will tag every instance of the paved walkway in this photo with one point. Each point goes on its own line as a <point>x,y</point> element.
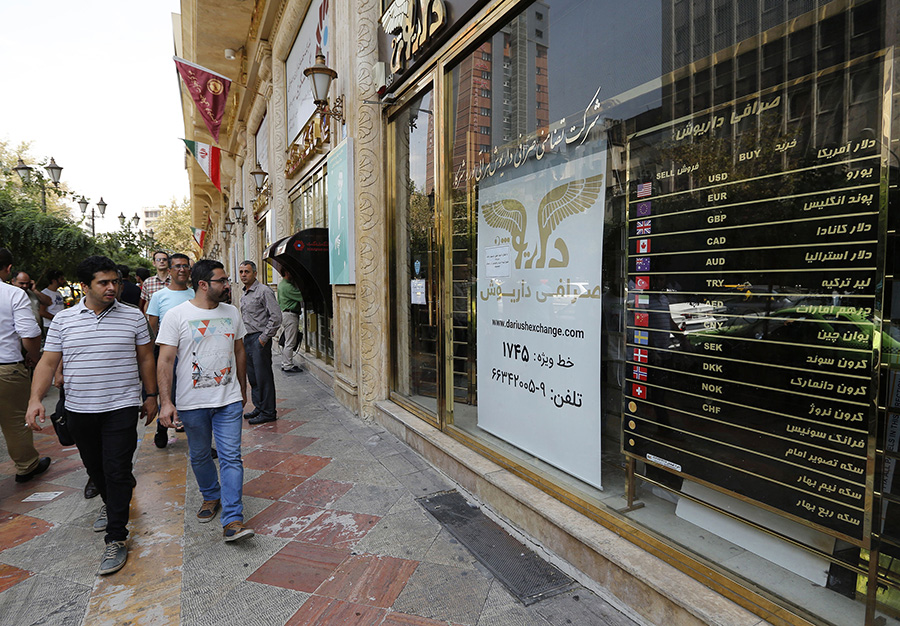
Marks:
<point>340,538</point>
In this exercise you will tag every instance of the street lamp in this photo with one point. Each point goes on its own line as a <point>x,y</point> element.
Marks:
<point>321,76</point>
<point>134,220</point>
<point>259,177</point>
<point>101,206</point>
<point>238,211</point>
<point>55,171</point>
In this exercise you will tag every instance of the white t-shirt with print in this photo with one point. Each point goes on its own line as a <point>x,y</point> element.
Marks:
<point>206,369</point>
<point>58,305</point>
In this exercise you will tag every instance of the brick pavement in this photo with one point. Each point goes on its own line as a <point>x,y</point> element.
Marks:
<point>340,538</point>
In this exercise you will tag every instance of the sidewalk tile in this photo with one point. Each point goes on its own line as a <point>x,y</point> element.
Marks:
<point>284,519</point>
<point>301,465</point>
<point>264,459</point>
<point>318,611</point>
<point>278,426</point>
<point>281,412</point>
<point>317,492</point>
<point>402,619</point>
<point>288,443</point>
<point>442,592</point>
<point>335,528</point>
<point>367,579</point>
<point>15,504</point>
<point>271,485</point>
<point>10,576</point>
<point>300,566</point>
<point>17,529</point>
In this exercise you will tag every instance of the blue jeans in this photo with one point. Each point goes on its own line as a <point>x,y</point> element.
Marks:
<point>260,375</point>
<point>225,424</point>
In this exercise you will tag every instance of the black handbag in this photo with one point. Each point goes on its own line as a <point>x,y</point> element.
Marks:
<point>60,420</point>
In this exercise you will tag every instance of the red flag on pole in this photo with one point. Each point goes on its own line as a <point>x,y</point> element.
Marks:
<point>208,90</point>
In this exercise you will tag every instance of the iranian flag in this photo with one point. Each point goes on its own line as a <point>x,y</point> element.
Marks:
<point>199,236</point>
<point>208,157</point>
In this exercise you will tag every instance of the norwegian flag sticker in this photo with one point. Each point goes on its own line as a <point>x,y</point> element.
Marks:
<point>640,373</point>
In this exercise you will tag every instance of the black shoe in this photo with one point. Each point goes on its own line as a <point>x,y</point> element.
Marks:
<point>42,466</point>
<point>161,438</point>
<point>90,490</point>
<point>251,414</point>
<point>214,454</point>
<point>262,419</point>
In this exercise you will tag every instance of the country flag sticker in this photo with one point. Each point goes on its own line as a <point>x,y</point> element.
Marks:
<point>643,227</point>
<point>641,299</point>
<point>644,189</point>
<point>640,355</point>
<point>641,319</point>
<point>643,246</point>
<point>641,337</point>
<point>640,373</point>
<point>643,209</point>
<point>642,264</point>
<point>641,282</point>
<point>639,391</point>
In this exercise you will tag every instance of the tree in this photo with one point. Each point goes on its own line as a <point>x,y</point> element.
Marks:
<point>172,229</point>
<point>10,181</point>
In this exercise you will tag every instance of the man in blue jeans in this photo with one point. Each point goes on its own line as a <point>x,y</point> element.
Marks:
<point>205,334</point>
<point>262,318</point>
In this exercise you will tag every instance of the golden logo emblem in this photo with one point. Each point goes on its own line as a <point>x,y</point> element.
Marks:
<point>215,86</point>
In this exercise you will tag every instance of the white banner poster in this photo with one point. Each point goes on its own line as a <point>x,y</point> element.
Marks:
<point>539,306</point>
<point>312,37</point>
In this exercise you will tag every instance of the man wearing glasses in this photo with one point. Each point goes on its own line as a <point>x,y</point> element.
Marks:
<point>262,318</point>
<point>206,335</point>
<point>161,302</point>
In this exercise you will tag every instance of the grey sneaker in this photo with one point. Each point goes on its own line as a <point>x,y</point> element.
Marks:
<point>100,524</point>
<point>114,557</point>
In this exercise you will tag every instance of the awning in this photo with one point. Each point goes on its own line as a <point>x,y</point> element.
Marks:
<point>305,255</point>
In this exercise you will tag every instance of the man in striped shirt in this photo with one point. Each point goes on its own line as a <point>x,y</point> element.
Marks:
<point>106,353</point>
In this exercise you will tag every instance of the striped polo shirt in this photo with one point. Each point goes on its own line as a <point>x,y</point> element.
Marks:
<point>99,356</point>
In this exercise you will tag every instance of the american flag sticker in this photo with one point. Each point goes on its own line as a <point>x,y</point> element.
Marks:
<point>642,264</point>
<point>643,246</point>
<point>640,373</point>
<point>643,227</point>
<point>641,299</point>
<point>643,209</point>
<point>641,319</point>
<point>641,282</point>
<point>644,190</point>
<point>641,337</point>
<point>639,391</point>
<point>640,355</point>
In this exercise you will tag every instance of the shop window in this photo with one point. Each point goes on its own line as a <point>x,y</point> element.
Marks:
<point>415,320</point>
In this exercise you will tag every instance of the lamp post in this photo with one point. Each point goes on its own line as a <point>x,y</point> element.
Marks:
<point>322,75</point>
<point>25,172</point>
<point>134,220</point>
<point>101,206</point>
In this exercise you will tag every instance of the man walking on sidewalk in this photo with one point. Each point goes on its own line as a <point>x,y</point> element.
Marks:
<point>206,336</point>
<point>262,317</point>
<point>155,283</point>
<point>18,327</point>
<point>161,302</point>
<point>106,353</point>
<point>290,300</point>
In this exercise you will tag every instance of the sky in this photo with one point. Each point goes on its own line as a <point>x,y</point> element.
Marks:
<point>92,84</point>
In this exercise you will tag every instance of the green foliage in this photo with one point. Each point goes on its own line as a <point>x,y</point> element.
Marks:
<point>127,247</point>
<point>41,241</point>
<point>172,229</point>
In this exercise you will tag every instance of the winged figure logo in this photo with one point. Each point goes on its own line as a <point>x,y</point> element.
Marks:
<point>411,22</point>
<point>574,197</point>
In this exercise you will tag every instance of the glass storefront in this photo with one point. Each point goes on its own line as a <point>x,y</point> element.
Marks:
<point>643,253</point>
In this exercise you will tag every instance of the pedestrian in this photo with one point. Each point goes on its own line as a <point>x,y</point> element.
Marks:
<point>57,280</point>
<point>18,328</point>
<point>140,275</point>
<point>131,293</point>
<point>161,302</point>
<point>106,354</point>
<point>35,298</point>
<point>290,301</point>
<point>206,335</point>
<point>157,282</point>
<point>262,317</point>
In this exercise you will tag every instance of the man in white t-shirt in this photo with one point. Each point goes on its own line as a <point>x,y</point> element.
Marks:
<point>170,296</point>
<point>206,335</point>
<point>57,280</point>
